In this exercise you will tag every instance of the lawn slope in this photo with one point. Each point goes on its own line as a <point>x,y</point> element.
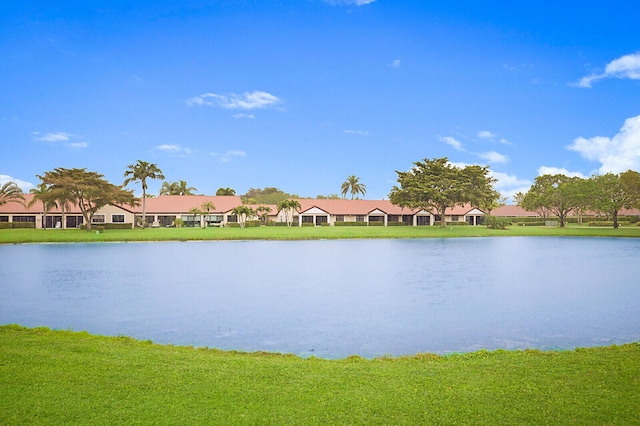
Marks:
<point>62,377</point>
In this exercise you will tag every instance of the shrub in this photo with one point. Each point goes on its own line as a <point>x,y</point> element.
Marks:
<point>178,223</point>
<point>609,223</point>
<point>5,225</point>
<point>376,223</point>
<point>117,226</point>
<point>538,223</point>
<point>396,224</point>
<point>233,225</point>
<point>493,222</point>
<point>23,225</point>
<point>308,224</point>
<point>351,224</point>
<point>253,224</point>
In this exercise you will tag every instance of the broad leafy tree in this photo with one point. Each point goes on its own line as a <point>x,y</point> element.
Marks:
<point>140,172</point>
<point>269,195</point>
<point>436,185</point>
<point>88,190</point>
<point>10,192</point>
<point>243,212</point>
<point>226,191</point>
<point>610,193</point>
<point>289,207</point>
<point>558,194</point>
<point>353,185</point>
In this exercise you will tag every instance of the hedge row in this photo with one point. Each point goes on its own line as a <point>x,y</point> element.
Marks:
<point>17,225</point>
<point>609,223</point>
<point>103,226</point>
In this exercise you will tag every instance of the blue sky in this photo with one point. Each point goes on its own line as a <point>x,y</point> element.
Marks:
<point>300,94</point>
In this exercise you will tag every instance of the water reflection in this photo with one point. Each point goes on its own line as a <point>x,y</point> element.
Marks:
<point>334,298</point>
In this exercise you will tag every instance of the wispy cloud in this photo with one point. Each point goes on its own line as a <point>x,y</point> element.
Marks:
<point>485,134</point>
<point>494,157</point>
<point>349,2</point>
<point>174,149</point>
<point>546,170</point>
<point>625,67</point>
<point>508,185</point>
<point>395,63</point>
<point>456,144</point>
<point>61,138</point>
<point>24,185</point>
<point>617,154</point>
<point>229,155</point>
<point>249,116</point>
<point>246,101</point>
<point>357,132</point>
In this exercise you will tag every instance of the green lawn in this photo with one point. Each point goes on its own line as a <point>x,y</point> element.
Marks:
<point>298,233</point>
<point>62,377</point>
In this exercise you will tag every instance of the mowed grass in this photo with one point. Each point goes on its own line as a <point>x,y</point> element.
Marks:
<point>62,377</point>
<point>12,236</point>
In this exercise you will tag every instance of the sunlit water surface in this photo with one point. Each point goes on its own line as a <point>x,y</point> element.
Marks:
<point>334,298</point>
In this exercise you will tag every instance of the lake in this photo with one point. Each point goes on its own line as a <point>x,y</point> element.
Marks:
<point>330,298</point>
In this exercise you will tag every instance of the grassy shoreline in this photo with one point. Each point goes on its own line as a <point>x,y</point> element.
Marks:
<point>62,377</point>
<point>17,236</point>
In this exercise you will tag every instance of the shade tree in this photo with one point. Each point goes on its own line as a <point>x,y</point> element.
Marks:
<point>436,185</point>
<point>88,190</point>
<point>557,194</point>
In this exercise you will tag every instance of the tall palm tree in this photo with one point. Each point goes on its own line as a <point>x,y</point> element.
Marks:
<point>195,211</point>
<point>183,189</point>
<point>140,172</point>
<point>289,206</point>
<point>43,194</point>
<point>10,192</point>
<point>353,185</point>
<point>207,206</point>
<point>263,212</point>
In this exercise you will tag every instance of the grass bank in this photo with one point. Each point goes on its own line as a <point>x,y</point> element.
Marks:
<point>62,377</point>
<point>13,236</point>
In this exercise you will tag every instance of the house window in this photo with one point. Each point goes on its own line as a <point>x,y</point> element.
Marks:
<point>360,218</point>
<point>376,218</point>
<point>232,218</point>
<point>340,218</point>
<point>166,220</point>
<point>307,219</point>
<point>4,218</point>
<point>31,219</point>
<point>117,218</point>
<point>455,218</point>
<point>97,218</point>
<point>394,218</point>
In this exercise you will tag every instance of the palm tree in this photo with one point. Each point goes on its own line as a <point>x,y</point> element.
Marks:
<point>10,192</point>
<point>140,172</point>
<point>243,212</point>
<point>195,211</point>
<point>43,194</point>
<point>177,188</point>
<point>207,206</point>
<point>262,212</point>
<point>226,191</point>
<point>169,188</point>
<point>289,206</point>
<point>353,185</point>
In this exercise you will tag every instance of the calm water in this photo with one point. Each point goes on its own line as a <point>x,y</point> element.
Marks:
<point>334,298</point>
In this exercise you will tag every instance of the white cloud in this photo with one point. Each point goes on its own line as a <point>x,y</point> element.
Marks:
<point>246,101</point>
<point>357,132</point>
<point>174,149</point>
<point>24,185</point>
<point>617,154</point>
<point>61,138</point>
<point>456,144</point>
<point>507,185</point>
<point>227,156</point>
<point>627,66</point>
<point>349,2</point>
<point>485,134</point>
<point>494,157</point>
<point>545,170</point>
<point>395,63</point>
<point>250,116</point>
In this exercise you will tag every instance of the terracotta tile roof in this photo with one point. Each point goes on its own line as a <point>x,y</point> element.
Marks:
<point>351,207</point>
<point>18,208</point>
<point>512,210</point>
<point>173,204</point>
